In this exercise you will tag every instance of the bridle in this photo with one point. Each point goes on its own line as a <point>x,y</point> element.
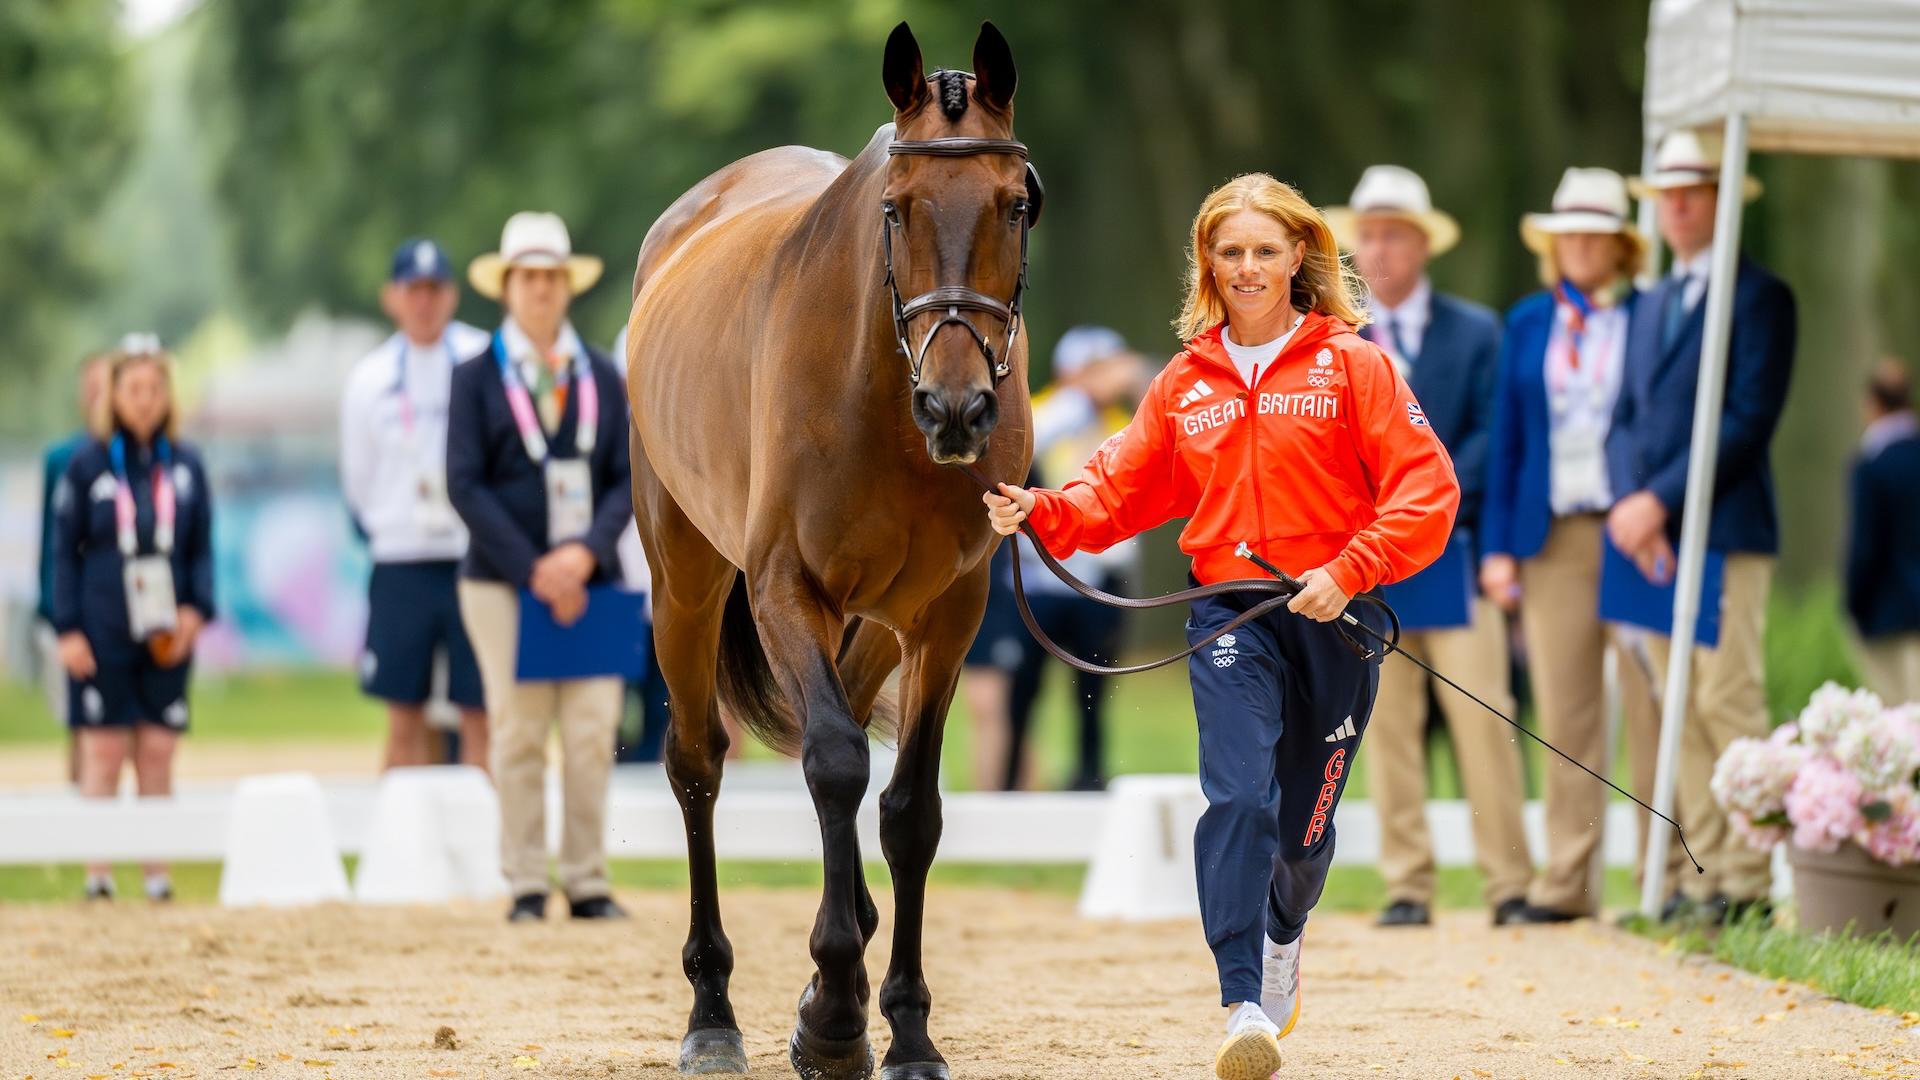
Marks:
<point>955,298</point>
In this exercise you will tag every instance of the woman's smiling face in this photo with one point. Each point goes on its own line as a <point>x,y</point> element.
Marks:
<point>1253,262</point>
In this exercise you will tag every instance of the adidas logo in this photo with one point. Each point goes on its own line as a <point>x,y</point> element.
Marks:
<point>1200,392</point>
<point>1343,732</point>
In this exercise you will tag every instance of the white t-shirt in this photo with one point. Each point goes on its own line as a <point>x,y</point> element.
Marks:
<point>1249,359</point>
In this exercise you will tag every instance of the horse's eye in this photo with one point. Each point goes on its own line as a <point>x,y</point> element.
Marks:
<point>1021,208</point>
<point>892,213</point>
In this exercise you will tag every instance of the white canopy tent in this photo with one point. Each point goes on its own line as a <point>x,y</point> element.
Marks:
<point>1792,76</point>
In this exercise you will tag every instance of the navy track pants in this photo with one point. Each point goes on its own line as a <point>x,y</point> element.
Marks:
<point>1281,703</point>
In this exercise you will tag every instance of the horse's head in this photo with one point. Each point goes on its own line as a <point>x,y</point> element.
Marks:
<point>959,199</point>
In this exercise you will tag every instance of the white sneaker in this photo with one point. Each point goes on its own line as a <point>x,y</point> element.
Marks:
<point>1252,1049</point>
<point>1280,984</point>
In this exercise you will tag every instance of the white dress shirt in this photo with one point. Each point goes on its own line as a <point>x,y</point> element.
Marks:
<point>1694,271</point>
<point>393,439</point>
<point>1580,406</point>
<point>1410,319</point>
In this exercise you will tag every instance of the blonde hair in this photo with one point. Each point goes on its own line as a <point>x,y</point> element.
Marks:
<point>1627,264</point>
<point>101,420</point>
<point>1324,283</point>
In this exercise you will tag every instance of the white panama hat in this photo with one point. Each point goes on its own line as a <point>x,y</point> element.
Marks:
<point>1587,201</point>
<point>1687,159</point>
<point>1393,191</point>
<point>533,239</point>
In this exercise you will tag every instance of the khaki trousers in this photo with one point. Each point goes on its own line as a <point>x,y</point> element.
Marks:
<point>520,716</point>
<point>1728,702</point>
<point>1396,751</point>
<point>1566,658</point>
<point>1892,667</point>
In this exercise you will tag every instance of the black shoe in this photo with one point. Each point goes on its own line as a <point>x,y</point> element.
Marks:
<point>1758,909</point>
<point>1088,783</point>
<point>1511,910</point>
<point>100,890</point>
<point>1405,913</point>
<point>529,908</point>
<point>596,907</point>
<point>1677,908</point>
<point>1534,915</point>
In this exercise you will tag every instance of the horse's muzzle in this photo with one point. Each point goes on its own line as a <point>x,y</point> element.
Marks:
<point>956,423</point>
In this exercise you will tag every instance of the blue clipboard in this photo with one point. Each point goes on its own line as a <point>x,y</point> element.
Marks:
<point>1441,596</point>
<point>1626,596</point>
<point>613,638</point>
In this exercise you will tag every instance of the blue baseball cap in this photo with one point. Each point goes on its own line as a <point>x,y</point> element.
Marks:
<point>420,259</point>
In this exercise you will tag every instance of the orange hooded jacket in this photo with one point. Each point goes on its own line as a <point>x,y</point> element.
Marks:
<point>1327,461</point>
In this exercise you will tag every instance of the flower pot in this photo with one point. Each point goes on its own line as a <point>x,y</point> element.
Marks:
<point>1849,886</point>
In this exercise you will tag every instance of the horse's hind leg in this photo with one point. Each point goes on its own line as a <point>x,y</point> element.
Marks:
<point>802,637</point>
<point>691,581</point>
<point>910,818</point>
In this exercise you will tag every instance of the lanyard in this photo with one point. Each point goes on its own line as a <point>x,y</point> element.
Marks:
<point>587,422</point>
<point>1579,310</point>
<point>400,380</point>
<point>164,509</point>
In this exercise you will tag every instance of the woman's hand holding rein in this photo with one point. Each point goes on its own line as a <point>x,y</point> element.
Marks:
<point>1007,508</point>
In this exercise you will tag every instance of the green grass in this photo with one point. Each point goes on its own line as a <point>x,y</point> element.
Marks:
<point>1878,972</point>
<point>255,707</point>
<point>1351,889</point>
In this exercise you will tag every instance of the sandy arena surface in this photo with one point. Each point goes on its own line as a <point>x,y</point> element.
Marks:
<point>1022,989</point>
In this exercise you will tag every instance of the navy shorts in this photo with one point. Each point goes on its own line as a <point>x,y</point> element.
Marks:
<point>1003,642</point>
<point>413,611</point>
<point>129,688</point>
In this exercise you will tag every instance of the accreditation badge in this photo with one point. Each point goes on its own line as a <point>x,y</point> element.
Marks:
<point>151,608</point>
<point>569,500</point>
<point>1578,460</point>
<point>433,512</point>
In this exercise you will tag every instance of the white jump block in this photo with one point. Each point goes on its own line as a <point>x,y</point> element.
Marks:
<point>434,837</point>
<point>1142,866</point>
<point>280,844</point>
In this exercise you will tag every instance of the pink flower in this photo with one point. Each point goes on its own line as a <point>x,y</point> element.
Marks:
<point>1753,775</point>
<point>1823,803</point>
<point>1895,841</point>
<point>1884,752</point>
<point>1832,710</point>
<point>1757,837</point>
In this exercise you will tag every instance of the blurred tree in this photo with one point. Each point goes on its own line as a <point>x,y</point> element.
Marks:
<point>65,129</point>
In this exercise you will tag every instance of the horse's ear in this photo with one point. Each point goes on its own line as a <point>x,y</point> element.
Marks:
<point>993,69</point>
<point>901,71</point>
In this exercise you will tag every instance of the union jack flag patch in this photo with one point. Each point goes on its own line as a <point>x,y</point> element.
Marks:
<point>1415,415</point>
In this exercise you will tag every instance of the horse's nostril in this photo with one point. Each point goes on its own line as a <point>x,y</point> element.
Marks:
<point>981,412</point>
<point>931,405</point>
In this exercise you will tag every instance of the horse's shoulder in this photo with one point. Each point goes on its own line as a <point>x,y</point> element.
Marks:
<point>787,176</point>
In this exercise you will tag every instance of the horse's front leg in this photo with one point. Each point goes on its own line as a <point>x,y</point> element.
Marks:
<point>801,634</point>
<point>910,817</point>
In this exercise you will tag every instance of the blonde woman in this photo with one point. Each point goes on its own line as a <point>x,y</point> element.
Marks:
<point>132,585</point>
<point>1545,512</point>
<point>1280,427</point>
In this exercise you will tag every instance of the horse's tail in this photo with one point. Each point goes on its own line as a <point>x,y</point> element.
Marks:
<point>752,696</point>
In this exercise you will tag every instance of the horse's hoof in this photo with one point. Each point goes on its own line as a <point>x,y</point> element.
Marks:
<point>830,1059</point>
<point>916,1070</point>
<point>713,1050</point>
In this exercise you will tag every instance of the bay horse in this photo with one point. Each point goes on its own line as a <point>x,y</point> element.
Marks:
<point>813,341</point>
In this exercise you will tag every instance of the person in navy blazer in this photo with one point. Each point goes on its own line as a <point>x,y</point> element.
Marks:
<point>1883,547</point>
<point>1448,349</point>
<point>1647,456</point>
<point>1544,518</point>
<point>537,468</point>
<point>132,584</point>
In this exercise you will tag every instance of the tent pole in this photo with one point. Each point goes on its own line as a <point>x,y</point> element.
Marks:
<point>1648,222</point>
<point>1702,459</point>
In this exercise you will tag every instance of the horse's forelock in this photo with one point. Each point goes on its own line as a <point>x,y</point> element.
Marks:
<point>950,89</point>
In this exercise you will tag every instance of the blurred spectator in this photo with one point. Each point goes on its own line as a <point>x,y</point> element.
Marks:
<point>1883,555</point>
<point>1448,349</point>
<point>1001,649</point>
<point>53,675</point>
<point>537,468</point>
<point>1544,519</point>
<point>393,470</point>
<point>132,584</point>
<point>1097,383</point>
<point>1648,447</point>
